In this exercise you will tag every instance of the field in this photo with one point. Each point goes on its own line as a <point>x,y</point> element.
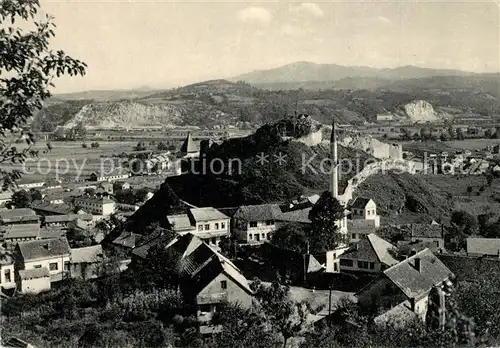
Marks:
<point>69,159</point>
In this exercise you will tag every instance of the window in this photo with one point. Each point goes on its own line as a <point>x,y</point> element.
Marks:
<point>205,308</point>
<point>37,266</point>
<point>207,227</point>
<point>222,225</point>
<point>363,264</point>
<point>253,223</point>
<point>346,263</point>
<point>7,276</point>
<point>354,236</point>
<point>257,237</point>
<point>223,284</point>
<point>66,265</point>
<point>251,236</point>
<point>214,240</point>
<point>263,236</point>
<point>53,266</point>
<point>372,265</point>
<point>270,222</point>
<point>216,225</point>
<point>368,212</point>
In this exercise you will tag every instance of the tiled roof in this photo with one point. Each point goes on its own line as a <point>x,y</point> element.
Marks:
<point>67,218</point>
<point>206,214</point>
<point>180,222</point>
<point>372,248</point>
<point>128,239</point>
<point>359,203</point>
<point>301,215</point>
<point>399,315</point>
<point>426,231</point>
<point>44,249</point>
<point>414,283</point>
<point>22,231</point>
<point>59,209</point>
<point>483,246</point>
<point>472,268</point>
<point>52,232</point>
<point>96,200</point>
<point>18,215</point>
<point>406,247</point>
<point>34,273</point>
<point>260,212</point>
<point>90,254</point>
<point>361,225</point>
<point>142,249</point>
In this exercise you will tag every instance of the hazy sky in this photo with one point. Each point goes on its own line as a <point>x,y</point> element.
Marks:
<point>128,44</point>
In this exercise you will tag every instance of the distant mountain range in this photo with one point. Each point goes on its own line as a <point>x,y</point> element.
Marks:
<point>312,72</point>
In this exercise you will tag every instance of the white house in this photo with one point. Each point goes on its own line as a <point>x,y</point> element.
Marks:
<point>96,205</point>
<point>7,271</point>
<point>53,254</point>
<point>364,209</point>
<point>255,223</point>
<point>118,174</point>
<point>34,280</point>
<point>207,223</point>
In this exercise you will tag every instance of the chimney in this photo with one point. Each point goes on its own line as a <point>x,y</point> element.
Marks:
<point>418,265</point>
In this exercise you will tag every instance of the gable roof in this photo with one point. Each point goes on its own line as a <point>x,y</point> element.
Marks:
<point>261,212</point>
<point>372,248</point>
<point>127,239</point>
<point>90,254</point>
<point>483,246</point>
<point>18,215</point>
<point>414,283</point>
<point>188,146</point>
<point>59,209</point>
<point>399,315</point>
<point>21,231</point>
<point>67,218</point>
<point>180,222</point>
<point>43,249</point>
<point>360,202</point>
<point>206,214</point>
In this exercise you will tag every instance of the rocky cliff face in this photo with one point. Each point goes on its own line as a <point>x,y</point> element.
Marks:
<point>420,110</point>
<point>372,146</point>
<point>124,114</point>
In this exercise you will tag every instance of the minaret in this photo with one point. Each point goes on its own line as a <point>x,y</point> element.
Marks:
<point>334,184</point>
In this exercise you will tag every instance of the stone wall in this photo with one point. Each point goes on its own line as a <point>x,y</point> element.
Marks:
<point>372,146</point>
<point>312,139</point>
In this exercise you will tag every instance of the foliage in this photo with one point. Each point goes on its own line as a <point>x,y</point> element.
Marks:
<point>292,237</point>
<point>94,145</point>
<point>28,67</point>
<point>324,234</point>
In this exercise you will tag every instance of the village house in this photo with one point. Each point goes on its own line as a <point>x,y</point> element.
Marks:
<point>364,209</point>
<point>359,229</point>
<point>64,220</point>
<point>433,233</point>
<point>255,223</point>
<point>27,183</point>
<point>5,197</point>
<point>371,254</point>
<point>117,174</point>
<point>52,254</point>
<point>207,278</point>
<point>18,233</point>
<point>54,196</point>
<point>18,216</point>
<point>121,185</point>
<point>104,188</point>
<point>407,286</point>
<point>52,184</point>
<point>7,271</point>
<point>206,223</point>
<point>33,280</point>
<point>483,247</point>
<point>96,205</point>
<point>84,262</point>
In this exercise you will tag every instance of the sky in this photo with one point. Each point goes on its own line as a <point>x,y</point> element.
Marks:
<point>163,44</point>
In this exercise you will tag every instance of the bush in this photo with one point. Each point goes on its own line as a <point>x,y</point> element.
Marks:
<point>94,145</point>
<point>84,145</point>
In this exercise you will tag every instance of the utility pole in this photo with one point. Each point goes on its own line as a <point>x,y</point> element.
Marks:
<point>330,300</point>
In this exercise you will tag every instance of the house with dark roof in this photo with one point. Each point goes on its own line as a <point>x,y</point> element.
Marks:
<point>114,175</point>
<point>428,233</point>
<point>414,280</point>
<point>46,208</point>
<point>18,216</point>
<point>371,254</point>
<point>360,228</point>
<point>362,208</point>
<point>127,241</point>
<point>483,247</point>
<point>84,262</point>
<point>206,223</point>
<point>64,220</point>
<point>19,233</point>
<point>255,223</point>
<point>52,254</point>
<point>207,279</point>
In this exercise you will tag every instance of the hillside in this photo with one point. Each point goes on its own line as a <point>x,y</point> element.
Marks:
<point>307,71</point>
<point>402,198</point>
<point>247,181</point>
<point>221,103</point>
